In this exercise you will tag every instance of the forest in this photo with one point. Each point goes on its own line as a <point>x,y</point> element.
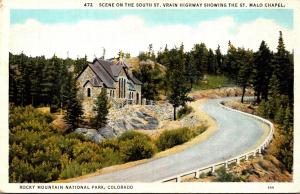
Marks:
<point>35,147</point>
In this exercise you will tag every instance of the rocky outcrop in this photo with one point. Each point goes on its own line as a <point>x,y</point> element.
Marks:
<point>137,117</point>
<point>91,134</point>
<point>130,117</point>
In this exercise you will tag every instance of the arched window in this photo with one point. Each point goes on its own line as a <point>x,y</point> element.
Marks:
<point>137,98</point>
<point>89,92</point>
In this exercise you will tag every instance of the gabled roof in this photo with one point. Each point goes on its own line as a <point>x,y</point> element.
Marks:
<point>116,68</point>
<point>133,78</point>
<point>94,82</point>
<point>107,65</point>
<point>106,73</point>
<point>103,73</point>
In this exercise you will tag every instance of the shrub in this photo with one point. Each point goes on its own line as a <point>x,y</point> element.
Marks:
<point>110,143</point>
<point>172,138</point>
<point>131,134</point>
<point>111,157</point>
<point>18,115</point>
<point>185,110</point>
<point>223,176</point>
<point>75,169</point>
<point>136,149</point>
<point>20,171</point>
<point>198,130</point>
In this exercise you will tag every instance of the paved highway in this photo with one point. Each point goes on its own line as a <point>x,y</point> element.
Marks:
<point>235,135</point>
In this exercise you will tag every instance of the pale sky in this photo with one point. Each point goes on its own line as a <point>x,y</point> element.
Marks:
<point>80,32</point>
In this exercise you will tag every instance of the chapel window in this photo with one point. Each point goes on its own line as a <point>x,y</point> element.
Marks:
<point>89,92</point>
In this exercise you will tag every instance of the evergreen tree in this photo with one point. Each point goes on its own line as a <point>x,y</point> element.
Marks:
<point>211,66</point>
<point>220,68</point>
<point>274,87</point>
<point>283,69</point>
<point>262,71</point>
<point>20,79</point>
<point>279,115</point>
<point>191,69</point>
<point>80,64</point>
<point>244,60</point>
<point>35,83</point>
<point>200,54</point>
<point>163,58</point>
<point>12,79</point>
<point>49,78</point>
<point>101,108</point>
<point>262,109</point>
<point>151,77</point>
<point>232,64</point>
<point>287,147</point>
<point>74,109</point>
<point>287,119</point>
<point>178,87</point>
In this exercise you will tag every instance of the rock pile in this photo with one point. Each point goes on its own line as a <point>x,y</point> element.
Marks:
<point>129,118</point>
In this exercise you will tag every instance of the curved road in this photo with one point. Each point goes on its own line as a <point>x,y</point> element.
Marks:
<point>235,135</point>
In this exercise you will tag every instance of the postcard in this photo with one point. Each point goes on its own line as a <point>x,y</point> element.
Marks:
<point>185,96</point>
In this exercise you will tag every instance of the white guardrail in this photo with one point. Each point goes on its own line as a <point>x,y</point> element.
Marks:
<point>211,168</point>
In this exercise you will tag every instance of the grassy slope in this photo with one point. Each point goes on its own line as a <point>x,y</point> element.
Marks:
<point>213,81</point>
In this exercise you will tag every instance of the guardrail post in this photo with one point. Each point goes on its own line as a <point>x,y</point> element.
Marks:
<point>246,157</point>
<point>213,169</point>
<point>259,150</point>
<point>197,174</point>
<point>226,165</point>
<point>254,154</point>
<point>238,161</point>
<point>178,179</point>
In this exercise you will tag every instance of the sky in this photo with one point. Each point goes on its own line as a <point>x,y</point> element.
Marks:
<point>76,33</point>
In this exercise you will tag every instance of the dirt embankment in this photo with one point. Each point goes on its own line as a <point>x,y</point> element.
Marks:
<point>221,92</point>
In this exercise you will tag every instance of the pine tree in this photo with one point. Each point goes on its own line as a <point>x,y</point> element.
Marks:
<point>20,79</point>
<point>232,64</point>
<point>200,53</point>
<point>73,106</point>
<point>287,147</point>
<point>220,68</point>
<point>262,71</point>
<point>274,87</point>
<point>245,63</point>
<point>288,118</point>
<point>191,69</point>
<point>283,69</point>
<point>101,108</point>
<point>48,83</point>
<point>35,83</point>
<point>80,64</point>
<point>211,66</point>
<point>151,78</point>
<point>12,79</point>
<point>279,115</point>
<point>178,84</point>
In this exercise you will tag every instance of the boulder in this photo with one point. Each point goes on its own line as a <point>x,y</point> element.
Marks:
<point>107,132</point>
<point>97,138</point>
